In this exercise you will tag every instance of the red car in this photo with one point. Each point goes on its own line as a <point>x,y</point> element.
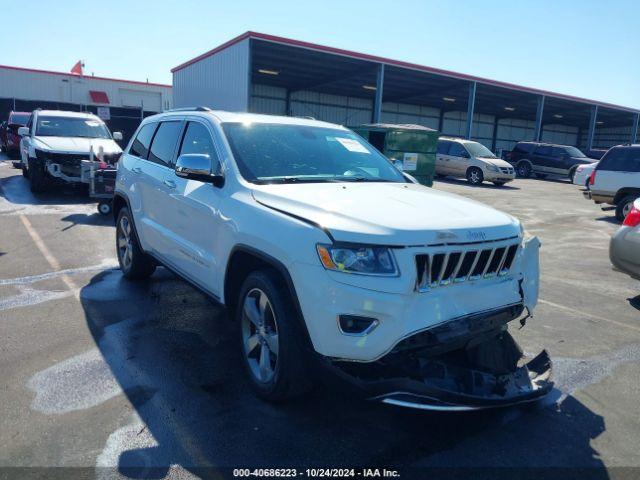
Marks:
<point>9,138</point>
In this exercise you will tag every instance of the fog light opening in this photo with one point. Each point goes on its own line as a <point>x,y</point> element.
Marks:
<point>357,325</point>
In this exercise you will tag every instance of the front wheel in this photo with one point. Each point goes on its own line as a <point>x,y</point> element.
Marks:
<point>270,344</point>
<point>624,207</point>
<point>475,176</point>
<point>37,178</point>
<point>134,263</point>
<point>523,169</point>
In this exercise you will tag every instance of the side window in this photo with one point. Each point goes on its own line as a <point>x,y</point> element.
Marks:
<point>140,146</point>
<point>621,159</point>
<point>457,150</point>
<point>164,142</point>
<point>198,140</point>
<point>443,147</point>
<point>543,150</point>
<point>558,152</point>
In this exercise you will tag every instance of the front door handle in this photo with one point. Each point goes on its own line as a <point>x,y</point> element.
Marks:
<point>136,170</point>
<point>170,183</point>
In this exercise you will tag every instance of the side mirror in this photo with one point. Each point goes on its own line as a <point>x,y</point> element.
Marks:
<point>23,131</point>
<point>197,166</point>
<point>117,136</point>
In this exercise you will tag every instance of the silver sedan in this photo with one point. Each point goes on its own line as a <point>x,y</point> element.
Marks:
<point>624,249</point>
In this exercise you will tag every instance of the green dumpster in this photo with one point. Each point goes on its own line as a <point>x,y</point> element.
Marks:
<point>412,148</point>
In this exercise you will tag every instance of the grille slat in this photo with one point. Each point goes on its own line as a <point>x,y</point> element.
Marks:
<point>445,268</point>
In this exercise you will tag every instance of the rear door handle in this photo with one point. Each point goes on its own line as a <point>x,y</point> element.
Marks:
<point>136,170</point>
<point>170,183</point>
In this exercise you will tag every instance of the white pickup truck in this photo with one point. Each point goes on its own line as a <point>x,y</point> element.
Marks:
<point>328,257</point>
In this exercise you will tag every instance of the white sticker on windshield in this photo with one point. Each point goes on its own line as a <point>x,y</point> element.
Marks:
<point>410,162</point>
<point>352,145</point>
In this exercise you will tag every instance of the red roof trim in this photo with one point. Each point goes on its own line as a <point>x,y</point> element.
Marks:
<point>89,77</point>
<point>398,63</point>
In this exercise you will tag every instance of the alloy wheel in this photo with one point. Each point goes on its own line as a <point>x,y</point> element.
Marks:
<point>260,335</point>
<point>125,246</point>
<point>626,209</point>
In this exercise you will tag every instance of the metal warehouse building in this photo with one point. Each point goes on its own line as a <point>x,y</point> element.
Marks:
<point>42,85</point>
<point>263,73</point>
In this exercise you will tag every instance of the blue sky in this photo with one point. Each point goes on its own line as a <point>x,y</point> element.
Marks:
<point>586,48</point>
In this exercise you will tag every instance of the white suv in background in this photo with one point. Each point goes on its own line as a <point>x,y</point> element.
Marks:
<point>64,146</point>
<point>616,179</point>
<point>471,160</point>
<point>328,257</point>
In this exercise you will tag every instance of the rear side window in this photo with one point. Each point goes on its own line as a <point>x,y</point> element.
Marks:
<point>140,146</point>
<point>164,143</point>
<point>558,152</point>
<point>523,147</point>
<point>621,159</point>
<point>443,147</point>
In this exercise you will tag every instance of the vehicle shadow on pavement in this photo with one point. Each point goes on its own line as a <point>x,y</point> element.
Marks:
<point>460,181</point>
<point>173,352</point>
<point>94,219</point>
<point>609,219</point>
<point>16,190</point>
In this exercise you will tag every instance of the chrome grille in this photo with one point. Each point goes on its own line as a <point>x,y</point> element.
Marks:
<point>507,170</point>
<point>456,266</point>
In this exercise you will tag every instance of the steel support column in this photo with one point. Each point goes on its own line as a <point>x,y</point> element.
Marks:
<point>592,126</point>
<point>377,105</point>
<point>470,108</point>
<point>634,128</point>
<point>441,120</point>
<point>537,134</point>
<point>494,137</point>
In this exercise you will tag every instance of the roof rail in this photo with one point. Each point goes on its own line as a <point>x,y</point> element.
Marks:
<point>190,109</point>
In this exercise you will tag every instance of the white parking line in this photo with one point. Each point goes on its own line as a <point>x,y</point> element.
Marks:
<point>46,253</point>
<point>590,315</point>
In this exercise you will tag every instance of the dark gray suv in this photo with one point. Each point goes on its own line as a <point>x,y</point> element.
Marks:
<point>544,159</point>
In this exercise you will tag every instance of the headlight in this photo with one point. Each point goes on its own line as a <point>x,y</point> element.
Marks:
<point>492,168</point>
<point>364,260</point>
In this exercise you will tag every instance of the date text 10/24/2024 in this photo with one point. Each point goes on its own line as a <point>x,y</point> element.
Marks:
<point>316,472</point>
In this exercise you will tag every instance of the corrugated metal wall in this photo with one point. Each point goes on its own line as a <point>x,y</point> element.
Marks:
<point>220,81</point>
<point>53,87</point>
<point>353,111</point>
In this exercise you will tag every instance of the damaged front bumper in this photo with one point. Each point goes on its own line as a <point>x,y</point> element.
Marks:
<point>469,363</point>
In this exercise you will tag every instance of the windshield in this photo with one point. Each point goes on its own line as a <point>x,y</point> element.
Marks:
<point>19,119</point>
<point>574,152</point>
<point>276,153</point>
<point>479,150</point>
<point>71,127</point>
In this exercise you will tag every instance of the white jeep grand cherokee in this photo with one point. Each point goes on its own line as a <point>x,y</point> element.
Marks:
<point>327,256</point>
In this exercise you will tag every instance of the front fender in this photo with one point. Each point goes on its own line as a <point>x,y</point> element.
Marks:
<point>531,272</point>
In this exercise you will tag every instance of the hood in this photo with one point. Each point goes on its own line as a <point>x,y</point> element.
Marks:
<point>496,161</point>
<point>76,144</point>
<point>389,213</point>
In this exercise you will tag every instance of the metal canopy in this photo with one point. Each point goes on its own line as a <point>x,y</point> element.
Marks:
<point>295,68</point>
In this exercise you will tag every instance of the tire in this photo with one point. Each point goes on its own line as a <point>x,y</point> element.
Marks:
<point>25,172</point>
<point>541,175</point>
<point>572,173</point>
<point>499,184</point>
<point>37,178</point>
<point>624,206</point>
<point>523,169</point>
<point>134,263</point>
<point>268,338</point>
<point>104,208</point>
<point>475,176</point>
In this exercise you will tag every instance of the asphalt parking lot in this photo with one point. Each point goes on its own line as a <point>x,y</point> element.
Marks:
<point>104,374</point>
